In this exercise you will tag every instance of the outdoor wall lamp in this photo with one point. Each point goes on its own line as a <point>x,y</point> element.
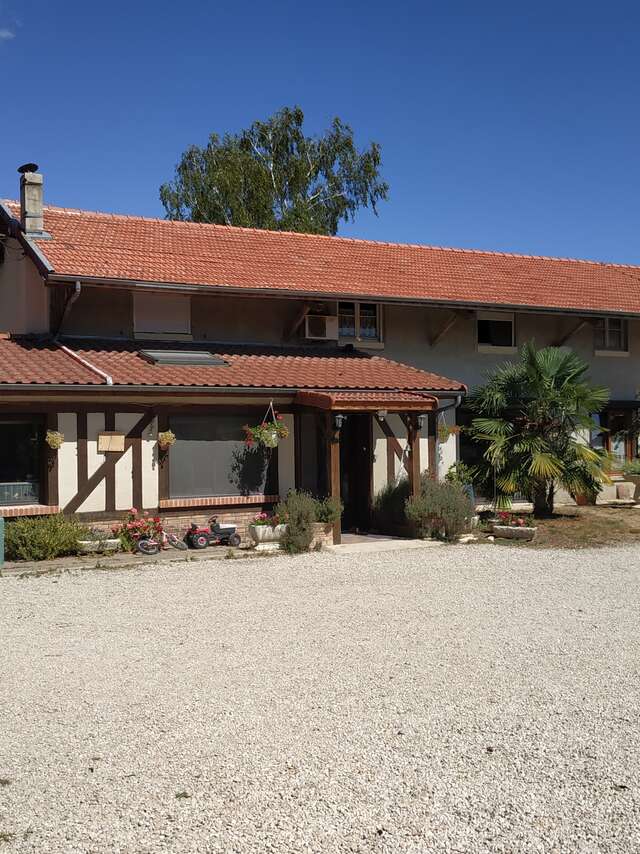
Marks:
<point>382,414</point>
<point>420,421</point>
<point>338,421</point>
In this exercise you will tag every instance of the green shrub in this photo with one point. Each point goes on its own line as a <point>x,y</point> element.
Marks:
<point>298,513</point>
<point>328,510</point>
<point>632,467</point>
<point>42,537</point>
<point>441,510</point>
<point>389,515</point>
<point>460,473</point>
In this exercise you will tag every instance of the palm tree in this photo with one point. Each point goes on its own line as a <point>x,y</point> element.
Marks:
<point>532,416</point>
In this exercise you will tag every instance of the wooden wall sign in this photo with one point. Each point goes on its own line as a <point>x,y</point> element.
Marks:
<point>109,441</point>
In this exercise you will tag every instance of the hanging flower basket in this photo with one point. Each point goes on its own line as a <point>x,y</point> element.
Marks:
<point>267,433</point>
<point>166,438</point>
<point>54,439</point>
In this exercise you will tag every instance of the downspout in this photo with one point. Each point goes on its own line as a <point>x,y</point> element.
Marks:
<point>67,308</point>
<point>85,362</point>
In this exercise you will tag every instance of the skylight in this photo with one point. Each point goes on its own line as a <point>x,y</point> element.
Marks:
<point>182,357</point>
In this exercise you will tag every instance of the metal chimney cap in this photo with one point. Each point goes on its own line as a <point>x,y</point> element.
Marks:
<point>27,167</point>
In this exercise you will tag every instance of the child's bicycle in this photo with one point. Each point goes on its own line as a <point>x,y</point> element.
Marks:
<point>151,545</point>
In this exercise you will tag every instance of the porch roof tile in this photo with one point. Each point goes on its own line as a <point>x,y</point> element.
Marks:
<point>28,361</point>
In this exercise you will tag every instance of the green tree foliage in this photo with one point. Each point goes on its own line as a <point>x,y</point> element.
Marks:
<point>531,417</point>
<point>273,176</point>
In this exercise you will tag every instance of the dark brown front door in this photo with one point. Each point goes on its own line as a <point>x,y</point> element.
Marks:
<point>355,472</point>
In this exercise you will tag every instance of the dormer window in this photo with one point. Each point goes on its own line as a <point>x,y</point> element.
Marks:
<point>611,336</point>
<point>359,321</point>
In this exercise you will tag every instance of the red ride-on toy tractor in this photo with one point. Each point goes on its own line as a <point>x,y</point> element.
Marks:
<point>215,535</point>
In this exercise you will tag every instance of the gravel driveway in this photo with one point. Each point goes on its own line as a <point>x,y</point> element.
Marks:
<point>447,700</point>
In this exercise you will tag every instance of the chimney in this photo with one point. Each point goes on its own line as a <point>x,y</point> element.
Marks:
<point>31,199</point>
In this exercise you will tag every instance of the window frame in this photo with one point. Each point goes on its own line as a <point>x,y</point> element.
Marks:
<point>377,342</point>
<point>606,349</point>
<point>38,421</point>
<point>500,316</point>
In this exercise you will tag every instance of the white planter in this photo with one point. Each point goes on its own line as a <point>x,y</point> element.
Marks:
<point>508,532</point>
<point>86,547</point>
<point>266,538</point>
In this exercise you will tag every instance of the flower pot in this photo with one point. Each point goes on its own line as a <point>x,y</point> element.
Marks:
<point>266,538</point>
<point>270,438</point>
<point>86,547</point>
<point>510,532</point>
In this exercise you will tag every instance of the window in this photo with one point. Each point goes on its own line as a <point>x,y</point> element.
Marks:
<point>182,357</point>
<point>162,315</point>
<point>20,448</point>
<point>611,335</point>
<point>495,330</point>
<point>359,321</point>
<point>210,458</point>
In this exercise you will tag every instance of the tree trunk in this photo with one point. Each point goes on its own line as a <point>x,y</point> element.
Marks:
<point>543,499</point>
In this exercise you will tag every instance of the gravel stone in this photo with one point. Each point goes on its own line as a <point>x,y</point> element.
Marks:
<point>475,699</point>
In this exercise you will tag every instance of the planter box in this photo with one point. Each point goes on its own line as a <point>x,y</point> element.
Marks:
<point>508,532</point>
<point>266,538</point>
<point>86,547</point>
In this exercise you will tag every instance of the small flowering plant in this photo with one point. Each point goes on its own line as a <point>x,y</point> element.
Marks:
<point>267,433</point>
<point>512,520</point>
<point>266,519</point>
<point>136,526</point>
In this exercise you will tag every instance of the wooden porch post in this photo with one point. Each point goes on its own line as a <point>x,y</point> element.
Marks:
<point>333,459</point>
<point>430,427</point>
<point>413,436</point>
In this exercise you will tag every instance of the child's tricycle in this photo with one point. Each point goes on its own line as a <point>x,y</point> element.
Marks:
<point>216,534</point>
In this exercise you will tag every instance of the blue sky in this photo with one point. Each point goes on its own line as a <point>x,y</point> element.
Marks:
<point>507,126</point>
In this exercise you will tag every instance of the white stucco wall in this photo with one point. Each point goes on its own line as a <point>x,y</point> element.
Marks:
<point>150,466</point>
<point>124,421</point>
<point>287,459</point>
<point>24,299</point>
<point>67,458</point>
<point>96,501</point>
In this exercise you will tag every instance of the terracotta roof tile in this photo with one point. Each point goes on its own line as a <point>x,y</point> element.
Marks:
<point>87,244</point>
<point>27,361</point>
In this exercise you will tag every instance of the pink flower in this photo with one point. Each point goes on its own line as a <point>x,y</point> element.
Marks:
<point>133,511</point>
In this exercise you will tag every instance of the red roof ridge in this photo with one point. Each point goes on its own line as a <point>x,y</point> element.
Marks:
<point>358,241</point>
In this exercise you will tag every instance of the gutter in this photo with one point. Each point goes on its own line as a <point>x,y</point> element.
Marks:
<point>323,296</point>
<point>67,308</point>
<point>210,389</point>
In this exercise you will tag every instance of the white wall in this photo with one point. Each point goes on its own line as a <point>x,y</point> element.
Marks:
<point>96,500</point>
<point>67,458</point>
<point>24,299</point>
<point>287,459</point>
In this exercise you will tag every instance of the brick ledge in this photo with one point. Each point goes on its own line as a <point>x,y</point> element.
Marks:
<point>215,501</point>
<point>11,510</point>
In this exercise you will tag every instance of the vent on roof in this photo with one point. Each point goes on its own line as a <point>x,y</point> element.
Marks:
<point>182,357</point>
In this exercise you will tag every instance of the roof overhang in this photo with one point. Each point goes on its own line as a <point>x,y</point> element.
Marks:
<point>369,401</point>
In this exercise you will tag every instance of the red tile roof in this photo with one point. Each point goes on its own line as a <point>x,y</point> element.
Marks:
<point>98,245</point>
<point>367,400</point>
<point>25,361</point>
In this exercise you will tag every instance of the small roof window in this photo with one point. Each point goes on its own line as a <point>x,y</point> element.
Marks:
<point>182,357</point>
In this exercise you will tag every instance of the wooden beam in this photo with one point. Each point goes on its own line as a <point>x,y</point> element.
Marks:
<point>414,457</point>
<point>110,479</point>
<point>432,445</point>
<point>573,331</point>
<point>299,320</point>
<point>455,314</point>
<point>333,460</point>
<point>85,489</point>
<point>52,463</point>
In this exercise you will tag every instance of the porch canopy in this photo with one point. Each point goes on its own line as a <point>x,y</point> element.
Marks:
<point>367,401</point>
